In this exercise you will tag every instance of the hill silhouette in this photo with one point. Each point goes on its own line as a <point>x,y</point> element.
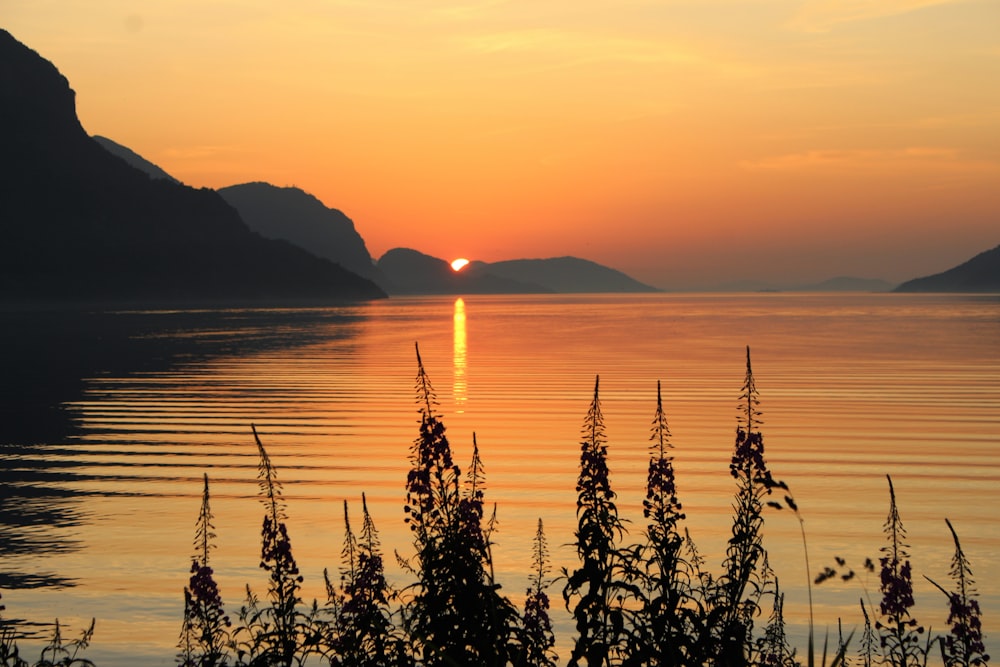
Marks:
<point>564,275</point>
<point>79,224</point>
<point>295,216</point>
<point>300,218</point>
<point>836,284</point>
<point>979,274</point>
<point>846,284</point>
<point>133,159</point>
<point>407,271</point>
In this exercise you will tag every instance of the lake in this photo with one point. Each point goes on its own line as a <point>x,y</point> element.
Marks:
<point>112,419</point>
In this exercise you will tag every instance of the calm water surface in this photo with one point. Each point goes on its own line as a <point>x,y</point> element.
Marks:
<point>100,521</point>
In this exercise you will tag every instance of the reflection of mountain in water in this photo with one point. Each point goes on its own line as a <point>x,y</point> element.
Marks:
<point>50,356</point>
<point>35,518</point>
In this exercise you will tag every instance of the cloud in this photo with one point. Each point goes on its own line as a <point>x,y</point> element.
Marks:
<point>824,15</point>
<point>195,152</point>
<point>918,157</point>
<point>581,47</point>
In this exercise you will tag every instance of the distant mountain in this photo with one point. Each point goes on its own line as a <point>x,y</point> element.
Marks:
<point>78,223</point>
<point>300,218</point>
<point>406,271</point>
<point>748,285</point>
<point>838,284</point>
<point>846,284</point>
<point>134,159</point>
<point>564,275</point>
<point>979,274</point>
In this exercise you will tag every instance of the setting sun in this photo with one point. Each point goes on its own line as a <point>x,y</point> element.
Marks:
<point>459,264</point>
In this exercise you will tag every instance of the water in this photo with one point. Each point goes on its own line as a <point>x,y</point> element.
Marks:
<point>100,495</point>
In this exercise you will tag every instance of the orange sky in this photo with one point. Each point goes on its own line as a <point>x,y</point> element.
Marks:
<point>687,142</point>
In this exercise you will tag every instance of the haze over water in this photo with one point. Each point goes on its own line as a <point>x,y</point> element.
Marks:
<point>853,387</point>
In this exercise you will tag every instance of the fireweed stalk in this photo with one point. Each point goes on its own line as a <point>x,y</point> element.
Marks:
<point>899,633</point>
<point>276,634</point>
<point>538,639</point>
<point>456,615</point>
<point>660,622</point>
<point>741,585</point>
<point>205,632</point>
<point>598,616</point>
<point>364,634</point>
<point>963,645</point>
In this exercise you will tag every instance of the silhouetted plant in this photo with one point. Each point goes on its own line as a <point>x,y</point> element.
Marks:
<point>898,632</point>
<point>868,638</point>
<point>538,639</point>
<point>599,619</point>
<point>456,615</point>
<point>278,633</point>
<point>963,645</point>
<point>9,653</point>
<point>773,649</point>
<point>56,653</point>
<point>739,589</point>
<point>665,610</point>
<point>840,657</point>
<point>59,654</point>
<point>363,631</point>
<point>205,632</point>
<point>842,645</point>
<point>647,604</point>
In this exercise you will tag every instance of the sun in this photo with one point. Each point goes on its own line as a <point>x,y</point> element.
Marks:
<point>459,264</point>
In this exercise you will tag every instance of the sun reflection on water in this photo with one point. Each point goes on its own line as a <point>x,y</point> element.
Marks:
<point>460,386</point>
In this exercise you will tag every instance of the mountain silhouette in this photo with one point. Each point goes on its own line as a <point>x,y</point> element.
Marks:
<point>979,274</point>
<point>300,218</point>
<point>836,284</point>
<point>847,284</point>
<point>407,271</point>
<point>134,159</point>
<point>564,275</point>
<point>80,224</point>
<point>295,216</point>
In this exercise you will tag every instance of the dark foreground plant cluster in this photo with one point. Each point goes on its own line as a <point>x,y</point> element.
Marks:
<point>646,602</point>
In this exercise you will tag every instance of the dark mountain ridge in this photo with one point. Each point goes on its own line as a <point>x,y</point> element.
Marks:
<point>564,275</point>
<point>979,274</point>
<point>133,158</point>
<point>406,271</point>
<point>290,214</point>
<point>295,216</point>
<point>80,224</point>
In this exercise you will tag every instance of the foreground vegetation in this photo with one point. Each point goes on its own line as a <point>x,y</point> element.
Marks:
<point>645,602</point>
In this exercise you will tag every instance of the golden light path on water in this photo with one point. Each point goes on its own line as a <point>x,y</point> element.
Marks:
<point>852,386</point>
<point>460,385</point>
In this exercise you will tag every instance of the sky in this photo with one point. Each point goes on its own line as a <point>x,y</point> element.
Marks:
<point>689,143</point>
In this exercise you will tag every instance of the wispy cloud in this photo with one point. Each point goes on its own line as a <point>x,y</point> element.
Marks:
<point>883,160</point>
<point>581,47</point>
<point>196,152</point>
<point>823,15</point>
